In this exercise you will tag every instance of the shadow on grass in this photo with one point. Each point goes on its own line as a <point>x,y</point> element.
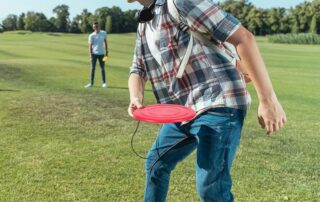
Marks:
<point>116,87</point>
<point>8,90</point>
<point>125,88</point>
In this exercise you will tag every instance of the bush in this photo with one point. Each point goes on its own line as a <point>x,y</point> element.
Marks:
<point>302,38</point>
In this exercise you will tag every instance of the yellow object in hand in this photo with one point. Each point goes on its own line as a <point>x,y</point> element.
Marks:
<point>105,58</point>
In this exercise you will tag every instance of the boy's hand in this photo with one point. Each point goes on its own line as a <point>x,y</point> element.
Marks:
<point>135,103</point>
<point>271,115</point>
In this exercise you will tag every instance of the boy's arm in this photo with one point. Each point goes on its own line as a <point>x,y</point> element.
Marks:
<point>270,113</point>
<point>136,88</point>
<point>137,78</point>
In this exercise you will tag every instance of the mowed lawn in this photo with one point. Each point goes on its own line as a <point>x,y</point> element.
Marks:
<point>61,142</point>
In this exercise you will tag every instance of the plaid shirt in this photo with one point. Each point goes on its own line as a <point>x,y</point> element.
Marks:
<point>209,80</point>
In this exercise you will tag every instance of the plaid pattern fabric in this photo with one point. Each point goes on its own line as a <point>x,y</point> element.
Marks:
<point>209,79</point>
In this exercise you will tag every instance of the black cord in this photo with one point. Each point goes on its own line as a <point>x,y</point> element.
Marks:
<point>134,134</point>
<point>132,139</point>
<point>157,144</point>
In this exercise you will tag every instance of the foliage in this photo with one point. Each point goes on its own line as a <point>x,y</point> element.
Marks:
<point>257,21</point>
<point>303,18</point>
<point>129,21</point>
<point>109,24</point>
<point>10,23</point>
<point>20,22</point>
<point>101,15</point>
<point>37,22</point>
<point>302,38</point>
<point>277,21</point>
<point>315,24</point>
<point>74,27</point>
<point>62,20</point>
<point>85,21</point>
<point>239,9</point>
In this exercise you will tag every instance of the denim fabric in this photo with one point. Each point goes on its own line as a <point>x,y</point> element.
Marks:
<point>93,68</point>
<point>216,135</point>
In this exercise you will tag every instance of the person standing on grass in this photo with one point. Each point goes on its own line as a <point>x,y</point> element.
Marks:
<point>98,48</point>
<point>210,84</point>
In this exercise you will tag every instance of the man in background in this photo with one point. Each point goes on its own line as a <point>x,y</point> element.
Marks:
<point>98,48</point>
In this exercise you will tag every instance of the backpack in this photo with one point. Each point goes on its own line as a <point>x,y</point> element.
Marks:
<point>225,49</point>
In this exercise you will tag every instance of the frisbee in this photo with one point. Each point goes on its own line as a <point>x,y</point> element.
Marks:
<point>164,113</point>
<point>105,58</point>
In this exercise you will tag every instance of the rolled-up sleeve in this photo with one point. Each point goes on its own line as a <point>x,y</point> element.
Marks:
<point>207,17</point>
<point>137,63</point>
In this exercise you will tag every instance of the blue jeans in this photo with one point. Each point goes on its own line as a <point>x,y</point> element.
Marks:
<point>216,135</point>
<point>93,68</point>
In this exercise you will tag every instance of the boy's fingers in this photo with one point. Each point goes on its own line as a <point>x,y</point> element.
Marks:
<point>131,109</point>
<point>270,128</point>
<point>284,120</point>
<point>261,122</point>
<point>280,124</point>
<point>139,106</point>
<point>276,126</point>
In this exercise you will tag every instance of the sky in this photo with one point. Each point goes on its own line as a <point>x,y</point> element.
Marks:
<point>75,6</point>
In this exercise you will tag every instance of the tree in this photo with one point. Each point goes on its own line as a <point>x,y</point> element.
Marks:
<point>275,20</point>
<point>125,20</point>
<point>130,22</point>
<point>85,21</point>
<point>301,17</point>
<point>20,23</point>
<point>75,25</point>
<point>314,27</point>
<point>294,19</point>
<point>305,16</point>
<point>315,22</point>
<point>53,22</point>
<point>62,20</point>
<point>109,24</point>
<point>37,22</point>
<point>10,23</point>
<point>101,15</point>
<point>257,21</point>
<point>116,16</point>
<point>239,9</point>
<point>285,25</point>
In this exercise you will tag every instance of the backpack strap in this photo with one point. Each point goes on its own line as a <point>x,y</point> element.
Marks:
<point>226,49</point>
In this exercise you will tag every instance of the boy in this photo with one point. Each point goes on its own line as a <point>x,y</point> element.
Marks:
<point>210,84</point>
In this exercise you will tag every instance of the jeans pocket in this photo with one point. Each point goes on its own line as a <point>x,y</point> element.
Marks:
<point>222,112</point>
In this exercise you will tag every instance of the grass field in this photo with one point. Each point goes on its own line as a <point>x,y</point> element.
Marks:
<point>61,142</point>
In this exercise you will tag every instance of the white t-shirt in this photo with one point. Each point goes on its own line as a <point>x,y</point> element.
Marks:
<point>97,41</point>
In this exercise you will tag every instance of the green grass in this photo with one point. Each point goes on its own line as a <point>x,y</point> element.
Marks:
<point>61,142</point>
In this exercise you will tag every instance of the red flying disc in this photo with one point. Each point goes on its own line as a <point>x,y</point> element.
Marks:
<point>164,113</point>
